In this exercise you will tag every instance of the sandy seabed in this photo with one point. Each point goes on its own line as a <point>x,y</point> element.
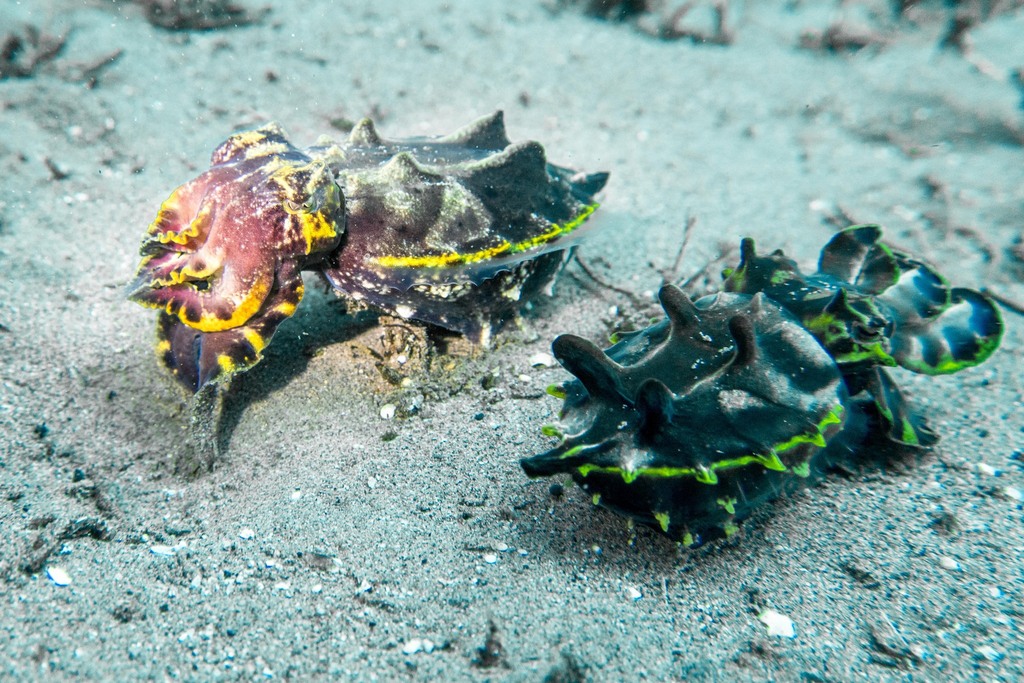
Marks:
<point>330,542</point>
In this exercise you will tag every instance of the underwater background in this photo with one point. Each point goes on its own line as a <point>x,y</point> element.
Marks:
<point>368,519</point>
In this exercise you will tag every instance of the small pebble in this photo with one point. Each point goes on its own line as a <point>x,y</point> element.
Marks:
<point>415,645</point>
<point>778,624</point>
<point>58,576</point>
<point>162,550</point>
<point>989,653</point>
<point>633,594</point>
<point>246,534</point>
<point>388,410</point>
<point>371,483</point>
<point>296,494</point>
<point>490,558</point>
<point>986,469</point>
<point>949,563</point>
<point>1013,493</point>
<point>906,213</point>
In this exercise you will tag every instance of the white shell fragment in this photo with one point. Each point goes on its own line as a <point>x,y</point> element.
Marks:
<point>415,645</point>
<point>1013,493</point>
<point>162,550</point>
<point>633,593</point>
<point>246,534</point>
<point>989,653</point>
<point>986,469</point>
<point>778,624</point>
<point>949,563</point>
<point>542,360</point>
<point>58,575</point>
<point>388,410</point>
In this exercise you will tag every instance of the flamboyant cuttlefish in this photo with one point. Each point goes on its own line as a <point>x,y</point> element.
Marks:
<point>739,397</point>
<point>457,231</point>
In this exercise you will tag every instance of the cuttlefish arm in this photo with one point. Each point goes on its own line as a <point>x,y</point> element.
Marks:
<point>222,259</point>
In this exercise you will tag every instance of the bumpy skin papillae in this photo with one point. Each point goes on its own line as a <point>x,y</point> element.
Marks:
<point>457,231</point>
<point>688,425</point>
<point>873,307</point>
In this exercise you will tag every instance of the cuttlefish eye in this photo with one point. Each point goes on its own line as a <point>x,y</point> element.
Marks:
<point>325,197</point>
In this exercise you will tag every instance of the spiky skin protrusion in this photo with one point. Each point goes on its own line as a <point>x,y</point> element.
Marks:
<point>690,424</point>
<point>458,231</point>
<point>872,307</point>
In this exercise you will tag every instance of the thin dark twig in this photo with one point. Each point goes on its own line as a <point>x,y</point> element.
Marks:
<point>685,284</point>
<point>21,55</point>
<point>56,172</point>
<point>725,254</point>
<point>199,15</point>
<point>840,218</point>
<point>720,34</point>
<point>91,72</point>
<point>637,301</point>
<point>691,221</point>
